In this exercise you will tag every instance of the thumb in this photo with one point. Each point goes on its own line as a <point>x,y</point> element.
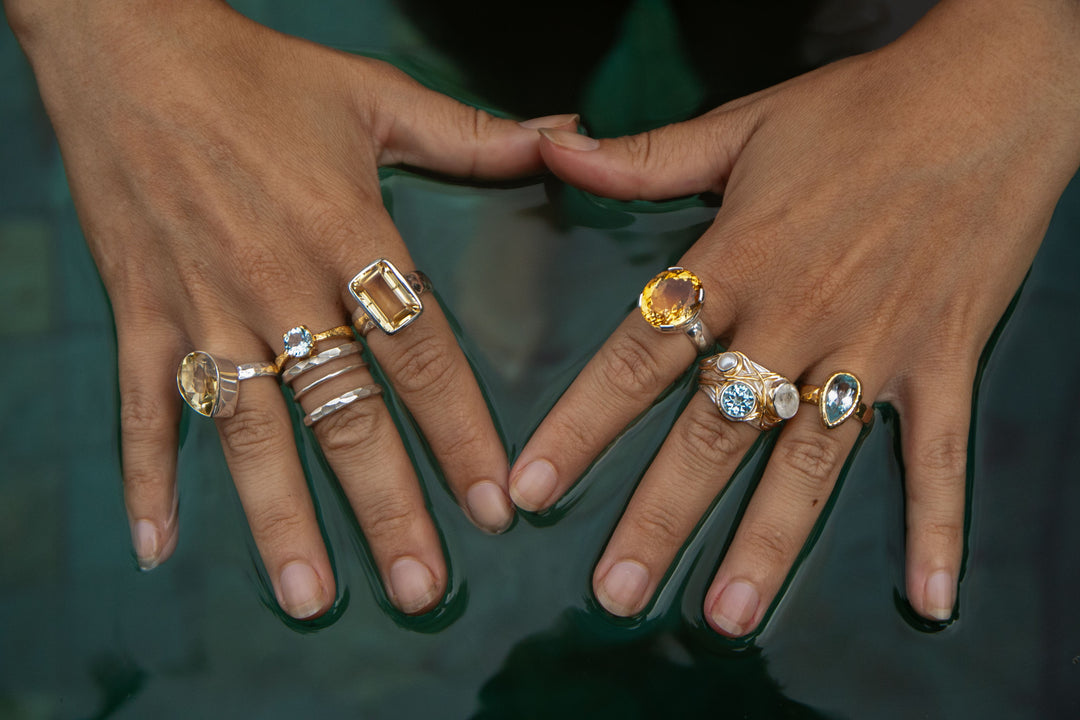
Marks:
<point>423,128</point>
<point>679,159</point>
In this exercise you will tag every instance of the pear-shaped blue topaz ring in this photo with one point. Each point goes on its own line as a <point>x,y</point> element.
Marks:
<point>744,391</point>
<point>838,399</point>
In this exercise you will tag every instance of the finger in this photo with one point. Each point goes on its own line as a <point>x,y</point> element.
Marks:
<point>427,129</point>
<point>428,370</point>
<point>149,415</point>
<point>680,159</point>
<point>935,415</point>
<point>694,464</point>
<point>259,449</point>
<point>623,379</point>
<point>363,447</point>
<point>800,476</point>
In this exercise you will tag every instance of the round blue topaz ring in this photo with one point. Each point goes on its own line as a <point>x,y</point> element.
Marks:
<point>838,399</point>
<point>744,391</point>
<point>300,342</point>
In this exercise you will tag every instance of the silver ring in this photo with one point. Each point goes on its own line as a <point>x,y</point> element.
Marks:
<point>209,385</point>
<point>350,348</point>
<point>332,406</point>
<point>297,394</point>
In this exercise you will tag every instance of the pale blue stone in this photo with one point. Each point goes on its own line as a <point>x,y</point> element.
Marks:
<point>737,400</point>
<point>299,342</point>
<point>840,394</point>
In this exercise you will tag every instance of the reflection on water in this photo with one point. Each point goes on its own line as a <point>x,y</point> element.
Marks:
<point>535,276</point>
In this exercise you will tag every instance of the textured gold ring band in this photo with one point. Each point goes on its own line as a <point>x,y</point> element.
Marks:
<point>300,342</point>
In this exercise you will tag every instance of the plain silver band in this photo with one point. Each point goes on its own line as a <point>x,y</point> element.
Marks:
<point>255,369</point>
<point>699,335</point>
<point>332,406</point>
<point>322,358</point>
<point>297,394</point>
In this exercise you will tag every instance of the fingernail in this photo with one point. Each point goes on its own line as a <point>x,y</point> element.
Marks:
<point>489,507</point>
<point>550,121</point>
<point>940,592</point>
<point>622,591</point>
<point>534,485</point>
<point>301,591</point>
<point>570,140</point>
<point>147,541</point>
<point>412,586</point>
<point>733,612</point>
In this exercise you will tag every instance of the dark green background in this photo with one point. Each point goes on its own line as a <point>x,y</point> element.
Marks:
<point>536,275</point>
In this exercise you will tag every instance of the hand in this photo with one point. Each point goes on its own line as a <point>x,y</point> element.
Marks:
<point>878,216</point>
<point>226,179</point>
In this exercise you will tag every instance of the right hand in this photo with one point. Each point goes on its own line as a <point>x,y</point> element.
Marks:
<point>226,179</point>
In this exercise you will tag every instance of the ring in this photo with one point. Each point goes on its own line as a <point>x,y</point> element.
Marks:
<point>300,342</point>
<point>671,302</point>
<point>300,392</point>
<point>332,406</point>
<point>294,371</point>
<point>387,298</point>
<point>744,391</point>
<point>838,399</point>
<point>209,385</point>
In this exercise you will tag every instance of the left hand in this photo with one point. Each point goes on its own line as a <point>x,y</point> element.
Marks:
<point>878,216</point>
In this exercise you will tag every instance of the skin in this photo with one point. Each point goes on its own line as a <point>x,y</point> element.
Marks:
<point>225,177</point>
<point>878,216</point>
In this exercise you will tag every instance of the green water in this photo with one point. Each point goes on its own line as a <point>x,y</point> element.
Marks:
<point>84,634</point>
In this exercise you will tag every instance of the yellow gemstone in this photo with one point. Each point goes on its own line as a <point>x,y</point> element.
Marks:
<point>198,381</point>
<point>671,299</point>
<point>386,296</point>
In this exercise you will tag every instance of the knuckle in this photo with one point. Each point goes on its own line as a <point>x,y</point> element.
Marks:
<point>277,520</point>
<point>251,432</point>
<point>659,525</point>
<point>386,515</point>
<point>947,533</point>
<point>141,418</point>
<point>423,364</point>
<point>813,458</point>
<point>350,428</point>
<point>943,456</point>
<point>770,545</point>
<point>630,370</point>
<point>332,224</point>
<point>261,270</point>
<point>640,148</point>
<point>709,441</point>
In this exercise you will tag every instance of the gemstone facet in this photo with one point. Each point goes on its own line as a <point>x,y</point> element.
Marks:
<point>839,398</point>
<point>737,400</point>
<point>786,401</point>
<point>386,296</point>
<point>299,342</point>
<point>199,382</point>
<point>672,299</point>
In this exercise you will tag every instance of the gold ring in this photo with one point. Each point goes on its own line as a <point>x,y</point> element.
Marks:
<point>671,301</point>
<point>387,298</point>
<point>838,399</point>
<point>744,391</point>
<point>300,342</point>
<point>209,385</point>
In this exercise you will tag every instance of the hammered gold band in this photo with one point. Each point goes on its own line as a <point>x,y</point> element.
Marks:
<point>300,342</point>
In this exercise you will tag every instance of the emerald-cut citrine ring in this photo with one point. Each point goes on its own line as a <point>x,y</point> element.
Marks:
<point>671,302</point>
<point>838,399</point>
<point>744,391</point>
<point>386,298</point>
<point>210,384</point>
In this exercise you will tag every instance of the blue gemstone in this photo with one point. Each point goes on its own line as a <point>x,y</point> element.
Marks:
<point>737,400</point>
<point>840,395</point>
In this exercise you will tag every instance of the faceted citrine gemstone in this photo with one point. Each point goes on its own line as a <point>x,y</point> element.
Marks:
<point>198,381</point>
<point>386,296</point>
<point>671,299</point>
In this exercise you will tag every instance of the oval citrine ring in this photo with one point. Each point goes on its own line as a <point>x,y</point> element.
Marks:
<point>671,302</point>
